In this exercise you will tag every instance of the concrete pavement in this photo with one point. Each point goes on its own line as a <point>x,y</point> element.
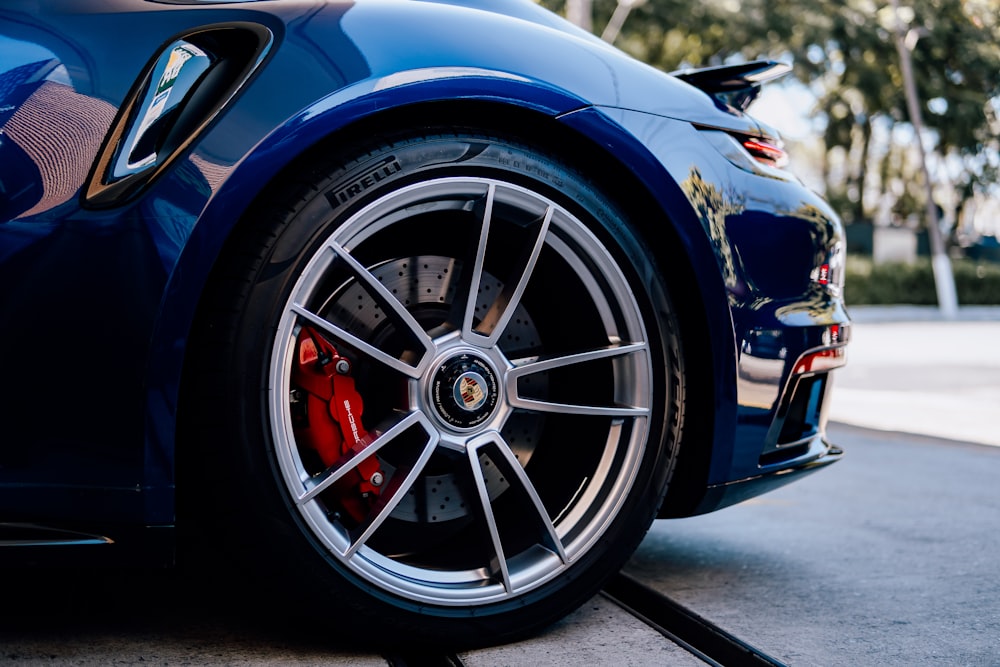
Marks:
<point>910,371</point>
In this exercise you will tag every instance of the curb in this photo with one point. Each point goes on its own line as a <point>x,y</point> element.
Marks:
<point>909,313</point>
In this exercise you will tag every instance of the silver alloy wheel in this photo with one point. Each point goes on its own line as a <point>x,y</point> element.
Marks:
<point>465,393</point>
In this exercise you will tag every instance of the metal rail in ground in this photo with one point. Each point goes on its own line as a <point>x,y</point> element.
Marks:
<point>684,627</point>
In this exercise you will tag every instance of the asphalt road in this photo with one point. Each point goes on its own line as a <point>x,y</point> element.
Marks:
<point>889,557</point>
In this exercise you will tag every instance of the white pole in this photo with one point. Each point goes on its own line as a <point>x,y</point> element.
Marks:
<point>944,278</point>
<point>579,13</point>
<point>617,19</point>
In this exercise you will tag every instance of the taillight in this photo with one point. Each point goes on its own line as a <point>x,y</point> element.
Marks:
<point>830,273</point>
<point>763,155</point>
<point>820,360</point>
<point>765,152</point>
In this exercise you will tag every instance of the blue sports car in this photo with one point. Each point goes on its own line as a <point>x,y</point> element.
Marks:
<point>419,311</point>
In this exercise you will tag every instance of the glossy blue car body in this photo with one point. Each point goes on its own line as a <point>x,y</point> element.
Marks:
<point>100,288</point>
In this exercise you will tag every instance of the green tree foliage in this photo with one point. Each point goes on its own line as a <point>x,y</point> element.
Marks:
<point>844,50</point>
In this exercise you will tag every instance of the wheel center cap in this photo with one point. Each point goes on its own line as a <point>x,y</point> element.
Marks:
<point>465,391</point>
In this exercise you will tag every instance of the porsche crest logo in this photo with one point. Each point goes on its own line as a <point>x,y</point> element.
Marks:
<point>471,391</point>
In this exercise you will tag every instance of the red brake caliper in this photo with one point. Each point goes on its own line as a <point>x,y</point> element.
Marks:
<point>332,425</point>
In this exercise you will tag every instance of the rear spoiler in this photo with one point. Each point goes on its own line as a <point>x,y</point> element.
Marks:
<point>734,85</point>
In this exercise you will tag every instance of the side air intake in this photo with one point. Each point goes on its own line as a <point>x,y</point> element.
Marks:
<point>180,92</point>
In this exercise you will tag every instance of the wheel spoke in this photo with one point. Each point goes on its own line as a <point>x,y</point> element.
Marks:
<point>548,537</point>
<point>526,367</point>
<point>393,309</point>
<point>475,276</point>
<point>498,563</point>
<point>349,461</point>
<point>513,469</point>
<point>361,346</point>
<point>493,323</point>
<point>396,488</point>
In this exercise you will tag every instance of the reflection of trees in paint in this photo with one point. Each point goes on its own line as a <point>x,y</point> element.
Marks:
<point>712,206</point>
<point>74,126</point>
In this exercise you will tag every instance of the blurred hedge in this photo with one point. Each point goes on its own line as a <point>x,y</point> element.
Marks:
<point>867,283</point>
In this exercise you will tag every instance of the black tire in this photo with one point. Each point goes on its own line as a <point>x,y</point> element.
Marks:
<point>516,445</point>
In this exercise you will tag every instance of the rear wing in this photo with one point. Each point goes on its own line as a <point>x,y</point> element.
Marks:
<point>734,85</point>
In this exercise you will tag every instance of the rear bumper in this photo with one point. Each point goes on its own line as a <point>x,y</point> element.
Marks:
<point>817,454</point>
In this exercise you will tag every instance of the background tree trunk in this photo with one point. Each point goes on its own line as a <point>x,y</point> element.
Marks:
<point>580,13</point>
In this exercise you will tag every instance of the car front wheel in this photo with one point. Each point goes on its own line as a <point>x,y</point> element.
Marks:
<point>448,377</point>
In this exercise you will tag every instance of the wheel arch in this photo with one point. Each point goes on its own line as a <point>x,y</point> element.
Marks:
<point>532,149</point>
